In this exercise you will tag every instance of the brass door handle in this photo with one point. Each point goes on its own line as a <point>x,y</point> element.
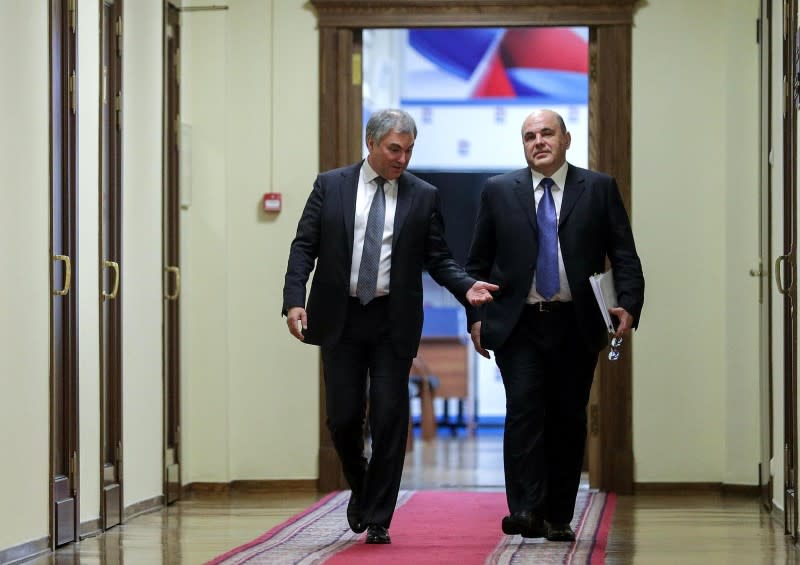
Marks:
<point>779,276</point>
<point>67,275</point>
<point>177,272</point>
<point>113,294</point>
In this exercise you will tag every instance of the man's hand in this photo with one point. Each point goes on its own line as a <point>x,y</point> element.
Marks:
<point>625,321</point>
<point>475,334</point>
<point>293,316</point>
<point>480,293</point>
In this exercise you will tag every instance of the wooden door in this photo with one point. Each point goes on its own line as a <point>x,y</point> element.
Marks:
<point>111,264</point>
<point>171,255</point>
<point>786,266</point>
<point>610,22</point>
<point>64,517</point>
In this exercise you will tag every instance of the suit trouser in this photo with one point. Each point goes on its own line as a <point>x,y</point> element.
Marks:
<point>365,348</point>
<point>547,373</point>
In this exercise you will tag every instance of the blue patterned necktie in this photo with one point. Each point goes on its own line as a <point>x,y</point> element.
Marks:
<point>547,283</point>
<point>373,238</point>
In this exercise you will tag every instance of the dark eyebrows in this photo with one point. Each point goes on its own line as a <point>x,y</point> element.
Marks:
<point>544,131</point>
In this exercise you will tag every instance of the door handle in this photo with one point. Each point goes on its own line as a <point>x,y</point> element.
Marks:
<point>177,272</point>
<point>779,275</point>
<point>67,275</point>
<point>113,294</point>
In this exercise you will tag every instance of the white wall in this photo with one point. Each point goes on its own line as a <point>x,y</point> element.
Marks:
<point>250,391</point>
<point>89,257</point>
<point>249,95</point>
<point>25,287</point>
<point>140,267</point>
<point>694,185</point>
<point>740,194</point>
<point>204,324</point>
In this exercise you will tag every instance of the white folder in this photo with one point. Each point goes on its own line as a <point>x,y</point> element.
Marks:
<point>603,287</point>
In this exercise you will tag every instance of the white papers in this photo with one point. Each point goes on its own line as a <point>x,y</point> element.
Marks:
<point>603,287</point>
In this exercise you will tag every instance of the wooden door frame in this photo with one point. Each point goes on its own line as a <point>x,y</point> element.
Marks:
<point>787,284</point>
<point>111,495</point>
<point>171,281</point>
<point>766,447</point>
<point>610,23</point>
<point>64,470</point>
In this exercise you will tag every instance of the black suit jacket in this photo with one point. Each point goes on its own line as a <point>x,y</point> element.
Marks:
<point>593,225</point>
<point>325,235</point>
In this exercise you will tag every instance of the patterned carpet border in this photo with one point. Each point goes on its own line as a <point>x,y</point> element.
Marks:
<point>321,531</point>
<point>594,511</point>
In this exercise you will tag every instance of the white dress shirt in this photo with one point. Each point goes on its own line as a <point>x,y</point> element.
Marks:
<point>365,193</point>
<point>559,178</point>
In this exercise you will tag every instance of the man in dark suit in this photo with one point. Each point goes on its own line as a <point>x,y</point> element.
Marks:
<point>541,232</point>
<point>371,228</point>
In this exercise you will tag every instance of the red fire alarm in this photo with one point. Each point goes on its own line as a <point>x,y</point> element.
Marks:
<point>272,202</point>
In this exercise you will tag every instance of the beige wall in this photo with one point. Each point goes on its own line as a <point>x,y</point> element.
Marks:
<point>249,100</point>
<point>89,257</point>
<point>24,287</point>
<point>695,110</point>
<point>140,267</point>
<point>250,107</point>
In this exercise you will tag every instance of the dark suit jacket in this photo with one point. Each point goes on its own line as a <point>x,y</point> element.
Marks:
<point>325,235</point>
<point>593,225</point>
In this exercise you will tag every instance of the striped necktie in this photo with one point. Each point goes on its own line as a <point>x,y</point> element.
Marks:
<point>373,238</point>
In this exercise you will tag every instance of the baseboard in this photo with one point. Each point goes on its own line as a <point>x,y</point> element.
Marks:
<point>90,529</point>
<point>695,488</point>
<point>143,507</point>
<point>276,486</point>
<point>25,551</point>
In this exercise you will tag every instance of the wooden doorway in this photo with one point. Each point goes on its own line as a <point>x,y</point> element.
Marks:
<point>340,130</point>
<point>786,265</point>
<point>111,263</point>
<point>171,255</point>
<point>64,472</point>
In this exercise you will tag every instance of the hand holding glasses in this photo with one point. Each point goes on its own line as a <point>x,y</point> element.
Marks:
<point>616,344</point>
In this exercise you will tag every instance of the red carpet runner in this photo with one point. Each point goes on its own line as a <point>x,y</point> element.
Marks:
<point>429,527</point>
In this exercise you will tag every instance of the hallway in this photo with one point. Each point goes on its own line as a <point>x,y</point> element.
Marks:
<point>693,528</point>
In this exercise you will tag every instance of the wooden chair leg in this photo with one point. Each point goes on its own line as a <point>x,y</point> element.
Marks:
<point>428,418</point>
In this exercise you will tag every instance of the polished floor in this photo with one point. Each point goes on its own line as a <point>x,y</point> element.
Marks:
<point>698,528</point>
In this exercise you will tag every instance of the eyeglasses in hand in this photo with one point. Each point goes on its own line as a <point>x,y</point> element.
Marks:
<point>616,344</point>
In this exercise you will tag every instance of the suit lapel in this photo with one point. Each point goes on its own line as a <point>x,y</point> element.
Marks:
<point>405,196</point>
<point>523,188</point>
<point>574,186</point>
<point>348,192</point>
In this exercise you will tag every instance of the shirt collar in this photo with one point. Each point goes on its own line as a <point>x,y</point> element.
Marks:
<point>368,174</point>
<point>559,177</point>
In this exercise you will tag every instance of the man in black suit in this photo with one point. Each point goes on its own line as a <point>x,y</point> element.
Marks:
<point>370,228</point>
<point>541,232</point>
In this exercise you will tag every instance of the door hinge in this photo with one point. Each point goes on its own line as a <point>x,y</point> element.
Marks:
<point>178,66</point>
<point>119,36</point>
<point>73,103</point>
<point>118,457</point>
<point>73,461</point>
<point>356,69</point>
<point>118,110</point>
<point>72,12</point>
<point>177,127</point>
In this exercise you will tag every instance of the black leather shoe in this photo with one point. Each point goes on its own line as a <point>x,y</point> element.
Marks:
<point>524,523</point>
<point>354,514</point>
<point>560,532</point>
<point>378,534</point>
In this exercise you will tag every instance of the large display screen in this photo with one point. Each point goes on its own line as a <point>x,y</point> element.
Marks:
<point>469,89</point>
